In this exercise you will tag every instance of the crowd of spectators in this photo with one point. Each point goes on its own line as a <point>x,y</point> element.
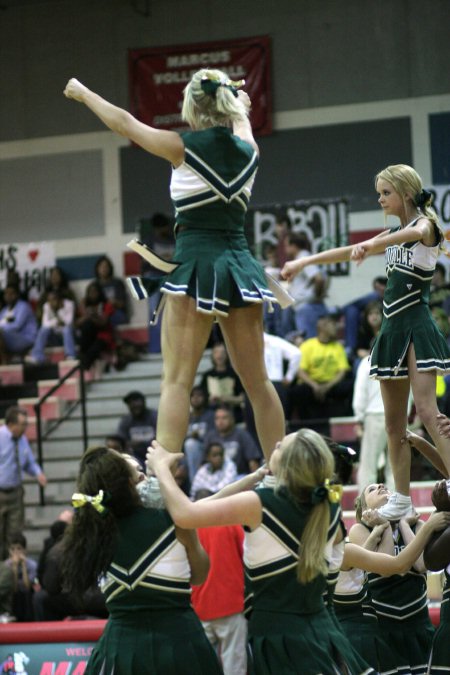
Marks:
<point>86,327</point>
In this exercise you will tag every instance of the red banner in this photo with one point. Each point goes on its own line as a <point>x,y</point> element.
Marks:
<point>158,76</point>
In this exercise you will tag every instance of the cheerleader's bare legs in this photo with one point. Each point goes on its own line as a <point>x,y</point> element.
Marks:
<point>185,333</point>
<point>243,334</point>
<point>395,394</point>
<point>184,336</point>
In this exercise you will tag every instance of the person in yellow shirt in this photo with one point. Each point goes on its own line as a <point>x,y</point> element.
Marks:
<point>324,383</point>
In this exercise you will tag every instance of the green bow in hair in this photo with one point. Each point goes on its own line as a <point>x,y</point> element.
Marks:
<point>210,86</point>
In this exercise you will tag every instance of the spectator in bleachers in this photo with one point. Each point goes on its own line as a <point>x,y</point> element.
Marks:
<point>221,384</point>
<point>6,586</point>
<point>182,478</point>
<point>56,604</point>
<point>116,442</point>
<point>201,420</point>
<point>440,289</point>
<point>324,383</point>
<point>57,281</point>
<point>369,412</point>
<point>369,328</point>
<point>237,442</point>
<point>282,231</point>
<point>16,457</point>
<point>353,310</point>
<point>18,326</point>
<point>113,289</point>
<point>158,235</point>
<point>309,289</point>
<point>47,606</point>
<point>442,319</point>
<point>57,327</point>
<point>13,279</point>
<point>215,473</point>
<point>219,601</point>
<point>282,359</point>
<point>56,532</point>
<point>94,330</point>
<point>138,427</point>
<point>24,577</point>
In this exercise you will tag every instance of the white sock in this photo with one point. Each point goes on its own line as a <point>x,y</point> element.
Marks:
<point>404,499</point>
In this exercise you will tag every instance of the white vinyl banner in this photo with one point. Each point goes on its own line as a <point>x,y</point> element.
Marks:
<point>32,261</point>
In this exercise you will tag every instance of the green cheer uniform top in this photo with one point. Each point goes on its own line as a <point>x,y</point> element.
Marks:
<point>290,629</point>
<point>212,261</point>
<point>400,603</point>
<point>151,627</point>
<point>406,314</point>
<point>440,651</point>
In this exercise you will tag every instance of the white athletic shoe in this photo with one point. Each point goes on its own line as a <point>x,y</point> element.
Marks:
<point>150,493</point>
<point>396,507</point>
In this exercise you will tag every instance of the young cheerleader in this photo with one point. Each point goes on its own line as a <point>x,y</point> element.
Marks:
<point>400,602</point>
<point>146,565</point>
<point>214,275</point>
<point>409,349</point>
<point>290,532</point>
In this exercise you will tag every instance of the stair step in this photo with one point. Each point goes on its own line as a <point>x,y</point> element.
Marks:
<point>43,516</point>
<point>12,392</point>
<point>12,374</point>
<point>99,427</point>
<point>56,492</point>
<point>51,409</point>
<point>137,334</point>
<point>69,390</point>
<point>33,372</point>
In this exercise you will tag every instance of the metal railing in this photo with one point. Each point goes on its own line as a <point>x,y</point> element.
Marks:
<point>38,406</point>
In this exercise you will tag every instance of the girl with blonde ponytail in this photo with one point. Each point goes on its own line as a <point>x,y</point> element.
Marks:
<point>409,350</point>
<point>290,532</point>
<point>213,275</point>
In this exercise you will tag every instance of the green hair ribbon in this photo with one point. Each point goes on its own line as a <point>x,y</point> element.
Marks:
<point>210,85</point>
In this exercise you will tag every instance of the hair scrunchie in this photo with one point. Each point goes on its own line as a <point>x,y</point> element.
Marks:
<point>210,86</point>
<point>79,500</point>
<point>326,491</point>
<point>423,198</point>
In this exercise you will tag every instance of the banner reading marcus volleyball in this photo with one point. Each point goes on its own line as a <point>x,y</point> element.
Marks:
<point>158,76</point>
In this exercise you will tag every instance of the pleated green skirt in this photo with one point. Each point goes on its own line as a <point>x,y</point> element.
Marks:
<point>388,359</point>
<point>364,635</point>
<point>412,639</point>
<point>215,267</point>
<point>154,643</point>
<point>293,644</point>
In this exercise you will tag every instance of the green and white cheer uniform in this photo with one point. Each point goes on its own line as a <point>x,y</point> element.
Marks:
<point>406,314</point>
<point>212,262</point>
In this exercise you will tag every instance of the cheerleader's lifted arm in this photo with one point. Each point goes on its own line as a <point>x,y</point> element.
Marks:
<point>423,231</point>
